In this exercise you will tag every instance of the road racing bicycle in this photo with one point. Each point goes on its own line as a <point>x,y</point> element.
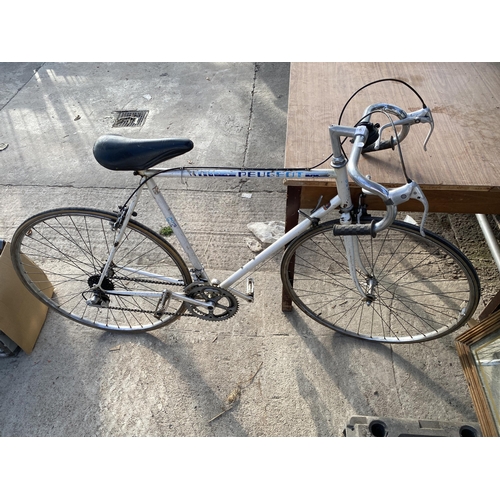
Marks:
<point>374,278</point>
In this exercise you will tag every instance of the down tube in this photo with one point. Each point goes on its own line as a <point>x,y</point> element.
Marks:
<point>279,244</point>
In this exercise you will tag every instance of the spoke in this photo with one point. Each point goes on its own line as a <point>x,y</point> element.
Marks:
<point>77,263</point>
<point>414,283</point>
<point>87,243</point>
<point>66,250</point>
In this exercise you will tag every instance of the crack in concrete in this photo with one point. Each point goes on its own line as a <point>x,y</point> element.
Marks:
<point>394,376</point>
<point>250,117</point>
<point>35,71</point>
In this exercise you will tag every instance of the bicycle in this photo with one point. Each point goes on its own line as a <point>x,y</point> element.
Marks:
<point>372,278</point>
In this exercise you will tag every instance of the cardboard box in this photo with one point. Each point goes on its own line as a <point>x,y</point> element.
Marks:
<point>22,315</point>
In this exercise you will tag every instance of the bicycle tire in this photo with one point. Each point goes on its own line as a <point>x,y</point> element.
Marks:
<point>425,288</point>
<point>70,247</point>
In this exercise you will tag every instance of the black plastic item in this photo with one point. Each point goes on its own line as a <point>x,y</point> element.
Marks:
<point>362,426</point>
<point>116,152</point>
<point>372,133</point>
<point>354,229</point>
<point>2,244</point>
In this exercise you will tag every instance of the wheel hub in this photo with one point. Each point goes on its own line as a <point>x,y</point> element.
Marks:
<point>99,297</point>
<point>371,283</point>
<point>107,284</point>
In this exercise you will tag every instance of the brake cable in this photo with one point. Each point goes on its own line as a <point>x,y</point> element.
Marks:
<point>379,81</point>
<point>357,92</point>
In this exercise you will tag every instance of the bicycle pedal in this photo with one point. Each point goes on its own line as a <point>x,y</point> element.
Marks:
<point>250,286</point>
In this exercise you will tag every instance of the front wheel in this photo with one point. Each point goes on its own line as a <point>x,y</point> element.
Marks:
<point>70,248</point>
<point>415,288</point>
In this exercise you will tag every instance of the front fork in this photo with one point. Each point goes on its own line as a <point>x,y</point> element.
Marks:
<point>351,244</point>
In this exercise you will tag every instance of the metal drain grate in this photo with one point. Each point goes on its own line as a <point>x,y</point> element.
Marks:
<point>130,118</point>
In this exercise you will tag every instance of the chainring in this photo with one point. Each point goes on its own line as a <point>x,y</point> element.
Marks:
<point>224,304</point>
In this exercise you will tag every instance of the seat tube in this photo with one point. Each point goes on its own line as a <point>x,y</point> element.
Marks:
<point>198,270</point>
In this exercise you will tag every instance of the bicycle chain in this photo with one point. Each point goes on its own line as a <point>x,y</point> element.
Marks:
<point>153,282</point>
<point>149,312</point>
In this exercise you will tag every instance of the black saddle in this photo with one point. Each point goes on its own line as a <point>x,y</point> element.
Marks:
<point>116,152</point>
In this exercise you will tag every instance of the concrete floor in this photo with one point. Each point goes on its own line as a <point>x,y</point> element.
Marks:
<point>296,378</point>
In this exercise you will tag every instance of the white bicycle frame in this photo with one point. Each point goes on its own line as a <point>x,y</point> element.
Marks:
<point>342,201</point>
<point>198,270</point>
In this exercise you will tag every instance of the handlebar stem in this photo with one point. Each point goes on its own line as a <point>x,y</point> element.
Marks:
<point>360,135</point>
<point>336,132</point>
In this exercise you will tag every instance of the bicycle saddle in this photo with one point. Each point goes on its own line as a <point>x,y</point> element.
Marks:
<point>116,152</point>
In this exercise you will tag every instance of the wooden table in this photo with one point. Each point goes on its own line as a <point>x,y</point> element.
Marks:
<point>459,173</point>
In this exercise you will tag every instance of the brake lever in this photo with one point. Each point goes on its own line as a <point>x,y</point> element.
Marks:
<point>430,121</point>
<point>411,191</point>
<point>418,194</point>
<point>421,116</point>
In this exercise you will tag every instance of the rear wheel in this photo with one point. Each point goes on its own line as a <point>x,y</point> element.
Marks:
<point>419,288</point>
<point>70,248</point>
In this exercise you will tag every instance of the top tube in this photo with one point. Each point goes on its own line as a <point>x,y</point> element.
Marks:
<point>242,173</point>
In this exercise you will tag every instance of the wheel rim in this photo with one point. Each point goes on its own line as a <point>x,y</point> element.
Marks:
<point>71,247</point>
<point>419,289</point>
